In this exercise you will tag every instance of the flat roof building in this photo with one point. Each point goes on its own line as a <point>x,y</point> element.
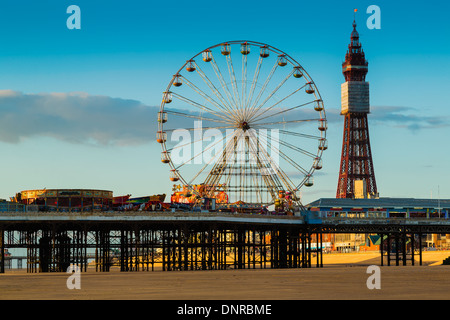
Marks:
<point>75,200</point>
<point>381,207</point>
<point>409,208</point>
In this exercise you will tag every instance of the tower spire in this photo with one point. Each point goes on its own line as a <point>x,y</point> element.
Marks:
<point>354,68</point>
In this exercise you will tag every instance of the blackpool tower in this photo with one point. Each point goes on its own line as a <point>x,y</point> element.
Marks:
<point>356,172</point>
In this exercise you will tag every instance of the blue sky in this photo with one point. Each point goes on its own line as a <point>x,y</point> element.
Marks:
<point>78,106</point>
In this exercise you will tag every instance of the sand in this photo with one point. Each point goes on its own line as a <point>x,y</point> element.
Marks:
<point>343,276</point>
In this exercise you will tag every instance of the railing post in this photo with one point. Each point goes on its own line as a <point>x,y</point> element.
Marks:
<point>389,249</point>
<point>2,251</point>
<point>420,248</point>
<point>404,246</point>
<point>381,248</point>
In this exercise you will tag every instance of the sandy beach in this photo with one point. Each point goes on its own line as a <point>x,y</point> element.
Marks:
<point>343,276</point>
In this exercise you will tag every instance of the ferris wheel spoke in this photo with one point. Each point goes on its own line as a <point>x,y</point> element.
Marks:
<point>214,90</point>
<point>293,163</point>
<point>223,107</point>
<point>246,170</point>
<point>258,97</point>
<point>203,168</point>
<point>184,145</point>
<point>203,128</point>
<point>271,94</point>
<point>290,146</point>
<point>233,81</point>
<point>214,176</point>
<point>229,165</point>
<point>210,160</point>
<point>254,82</point>
<point>182,114</point>
<point>289,184</point>
<point>298,134</point>
<point>262,157</point>
<point>198,105</point>
<point>256,184</point>
<point>201,152</point>
<point>286,157</point>
<point>240,169</point>
<point>257,117</point>
<point>283,111</point>
<point>279,174</point>
<point>244,81</point>
<point>298,149</point>
<point>219,75</point>
<point>284,122</point>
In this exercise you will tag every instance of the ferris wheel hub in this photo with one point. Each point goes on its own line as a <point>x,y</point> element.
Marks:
<point>245,126</point>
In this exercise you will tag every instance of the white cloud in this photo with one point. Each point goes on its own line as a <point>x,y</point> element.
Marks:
<point>400,117</point>
<point>75,117</point>
<point>406,117</point>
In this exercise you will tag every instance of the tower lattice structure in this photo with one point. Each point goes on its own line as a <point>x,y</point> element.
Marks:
<point>356,172</point>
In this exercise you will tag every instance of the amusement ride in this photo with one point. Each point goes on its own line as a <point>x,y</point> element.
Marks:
<point>243,123</point>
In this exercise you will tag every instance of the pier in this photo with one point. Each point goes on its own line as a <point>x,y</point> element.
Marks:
<point>148,241</point>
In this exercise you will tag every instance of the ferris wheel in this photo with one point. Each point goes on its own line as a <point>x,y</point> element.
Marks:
<point>245,119</point>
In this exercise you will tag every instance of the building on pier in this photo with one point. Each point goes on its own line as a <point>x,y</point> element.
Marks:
<point>73,200</point>
<point>381,208</point>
